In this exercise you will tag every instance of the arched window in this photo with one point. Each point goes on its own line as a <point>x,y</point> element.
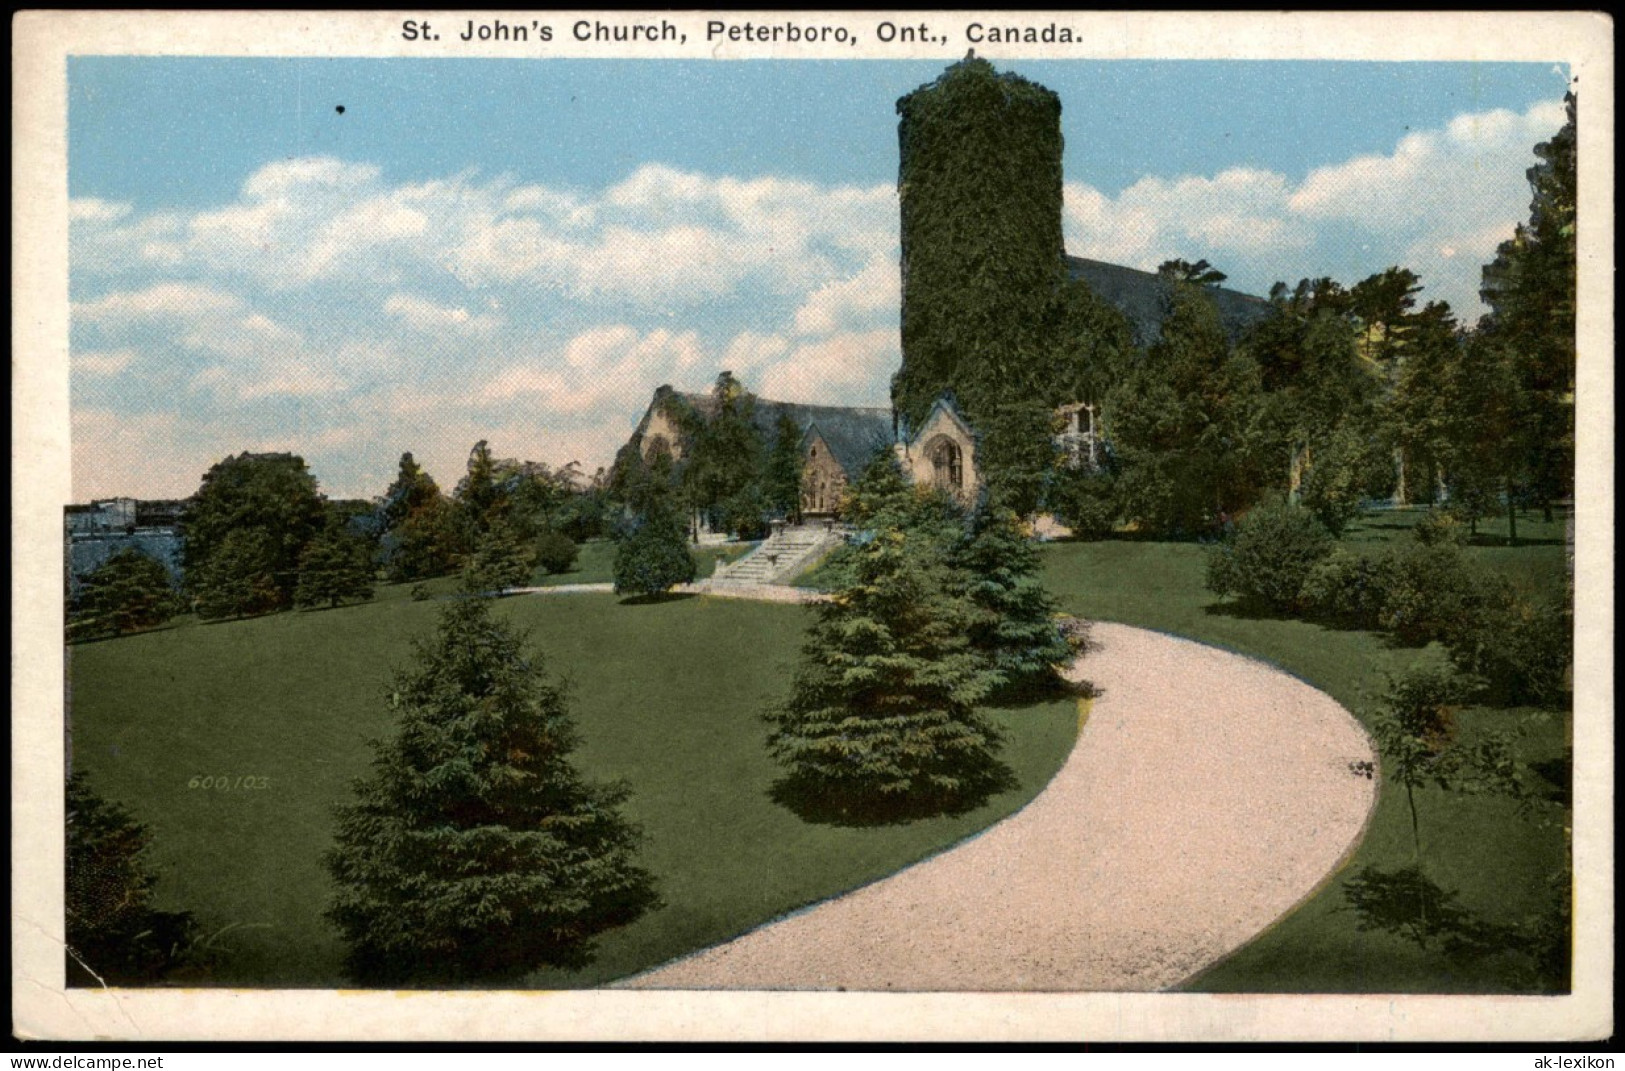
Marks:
<point>948,465</point>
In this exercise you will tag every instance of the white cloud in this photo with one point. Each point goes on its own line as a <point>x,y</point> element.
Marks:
<point>184,300</point>
<point>102,362</point>
<point>425,315</point>
<point>872,294</point>
<point>96,210</point>
<point>854,368</point>
<point>1438,204</point>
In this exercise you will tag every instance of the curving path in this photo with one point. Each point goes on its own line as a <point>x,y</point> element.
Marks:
<point>1208,795</point>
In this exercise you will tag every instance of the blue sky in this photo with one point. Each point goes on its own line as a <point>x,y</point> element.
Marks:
<point>522,250</point>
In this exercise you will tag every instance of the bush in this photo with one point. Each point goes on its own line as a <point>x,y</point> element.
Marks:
<point>556,552</point>
<point>1428,590</point>
<point>653,557</point>
<point>1440,527</point>
<point>1268,557</point>
<point>1522,650</point>
<point>127,592</point>
<point>1345,589</point>
<point>1085,502</point>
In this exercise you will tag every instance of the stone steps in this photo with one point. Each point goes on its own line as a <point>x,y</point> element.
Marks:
<point>779,557</point>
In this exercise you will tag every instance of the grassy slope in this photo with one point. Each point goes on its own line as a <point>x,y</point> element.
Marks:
<point>294,697</point>
<point>1497,860</point>
<point>596,563</point>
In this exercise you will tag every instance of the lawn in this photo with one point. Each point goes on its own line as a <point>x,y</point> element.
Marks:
<point>667,697</point>
<point>1495,858</point>
<point>596,563</point>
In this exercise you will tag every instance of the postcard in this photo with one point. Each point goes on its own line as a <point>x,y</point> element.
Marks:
<point>813,525</point>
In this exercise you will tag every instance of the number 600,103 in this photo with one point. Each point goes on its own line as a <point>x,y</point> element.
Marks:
<point>227,782</point>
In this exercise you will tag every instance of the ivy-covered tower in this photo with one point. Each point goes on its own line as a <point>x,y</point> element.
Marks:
<point>979,182</point>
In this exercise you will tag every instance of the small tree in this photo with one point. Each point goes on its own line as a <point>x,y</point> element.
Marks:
<point>475,850</point>
<point>238,579</point>
<point>1414,730</point>
<point>1269,556</point>
<point>428,543</point>
<point>781,478</point>
<point>882,714</point>
<point>115,935</point>
<point>556,552</point>
<point>127,592</point>
<point>334,567</point>
<point>500,561</point>
<point>1017,631</point>
<point>652,556</point>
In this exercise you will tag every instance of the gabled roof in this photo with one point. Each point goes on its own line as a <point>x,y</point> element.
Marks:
<point>1141,296</point>
<point>853,433</point>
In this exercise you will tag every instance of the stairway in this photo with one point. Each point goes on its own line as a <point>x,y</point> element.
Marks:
<point>781,556</point>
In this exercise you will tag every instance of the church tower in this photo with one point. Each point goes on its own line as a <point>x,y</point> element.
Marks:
<point>979,182</point>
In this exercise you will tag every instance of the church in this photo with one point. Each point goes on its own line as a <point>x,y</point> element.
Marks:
<point>1018,195</point>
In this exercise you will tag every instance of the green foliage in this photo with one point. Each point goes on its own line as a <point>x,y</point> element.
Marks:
<point>1336,482</point>
<point>1199,274</point>
<point>428,542</point>
<point>882,715</point>
<point>238,578</point>
<point>1186,424</point>
<point>412,490</point>
<point>781,474</point>
<point>475,851</point>
<point>481,496</point>
<point>556,552</point>
<point>1016,629</point>
<point>1345,589</point>
<point>1414,729</point>
<point>1093,346</point>
<point>127,592</point>
<point>501,560</point>
<point>1085,502</point>
<point>1269,556</point>
<point>723,469</point>
<point>651,555</point>
<point>269,496</point>
<point>115,935</point>
<point>979,185</point>
<point>335,566</point>
<point>1440,527</point>
<point>1428,590</point>
<point>1017,453</point>
<point>1522,649</point>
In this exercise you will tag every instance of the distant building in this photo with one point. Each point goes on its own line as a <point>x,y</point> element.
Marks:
<point>99,530</point>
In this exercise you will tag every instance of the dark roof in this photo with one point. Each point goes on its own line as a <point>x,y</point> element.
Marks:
<point>1141,297</point>
<point>853,432</point>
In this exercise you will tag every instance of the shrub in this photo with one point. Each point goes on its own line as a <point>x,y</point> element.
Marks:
<point>1085,502</point>
<point>1269,556</point>
<point>556,552</point>
<point>1523,650</point>
<point>653,556</point>
<point>1427,590</point>
<point>1440,527</point>
<point>1344,589</point>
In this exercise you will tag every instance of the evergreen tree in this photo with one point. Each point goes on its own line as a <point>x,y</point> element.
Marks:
<point>1186,424</point>
<point>335,566</point>
<point>723,473</point>
<point>428,543</point>
<point>1016,629</point>
<point>239,577</point>
<point>501,561</point>
<point>781,477</point>
<point>412,490</point>
<point>127,592</point>
<point>651,553</point>
<point>115,935</point>
<point>882,715</point>
<point>481,495</point>
<point>475,851</point>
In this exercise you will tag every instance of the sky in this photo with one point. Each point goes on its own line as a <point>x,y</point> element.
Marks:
<point>523,250</point>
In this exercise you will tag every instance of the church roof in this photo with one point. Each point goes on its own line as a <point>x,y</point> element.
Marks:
<point>1141,297</point>
<point>853,432</point>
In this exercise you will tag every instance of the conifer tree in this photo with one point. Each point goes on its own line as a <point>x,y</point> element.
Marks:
<point>882,714</point>
<point>334,566</point>
<point>781,479</point>
<point>501,560</point>
<point>129,591</point>
<point>1016,629</point>
<point>238,579</point>
<point>475,851</point>
<point>115,936</point>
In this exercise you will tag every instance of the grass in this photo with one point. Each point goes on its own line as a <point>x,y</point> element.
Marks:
<point>1318,947</point>
<point>294,698</point>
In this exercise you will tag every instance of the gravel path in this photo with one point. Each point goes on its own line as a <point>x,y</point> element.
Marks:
<point>1208,795</point>
<point>754,592</point>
